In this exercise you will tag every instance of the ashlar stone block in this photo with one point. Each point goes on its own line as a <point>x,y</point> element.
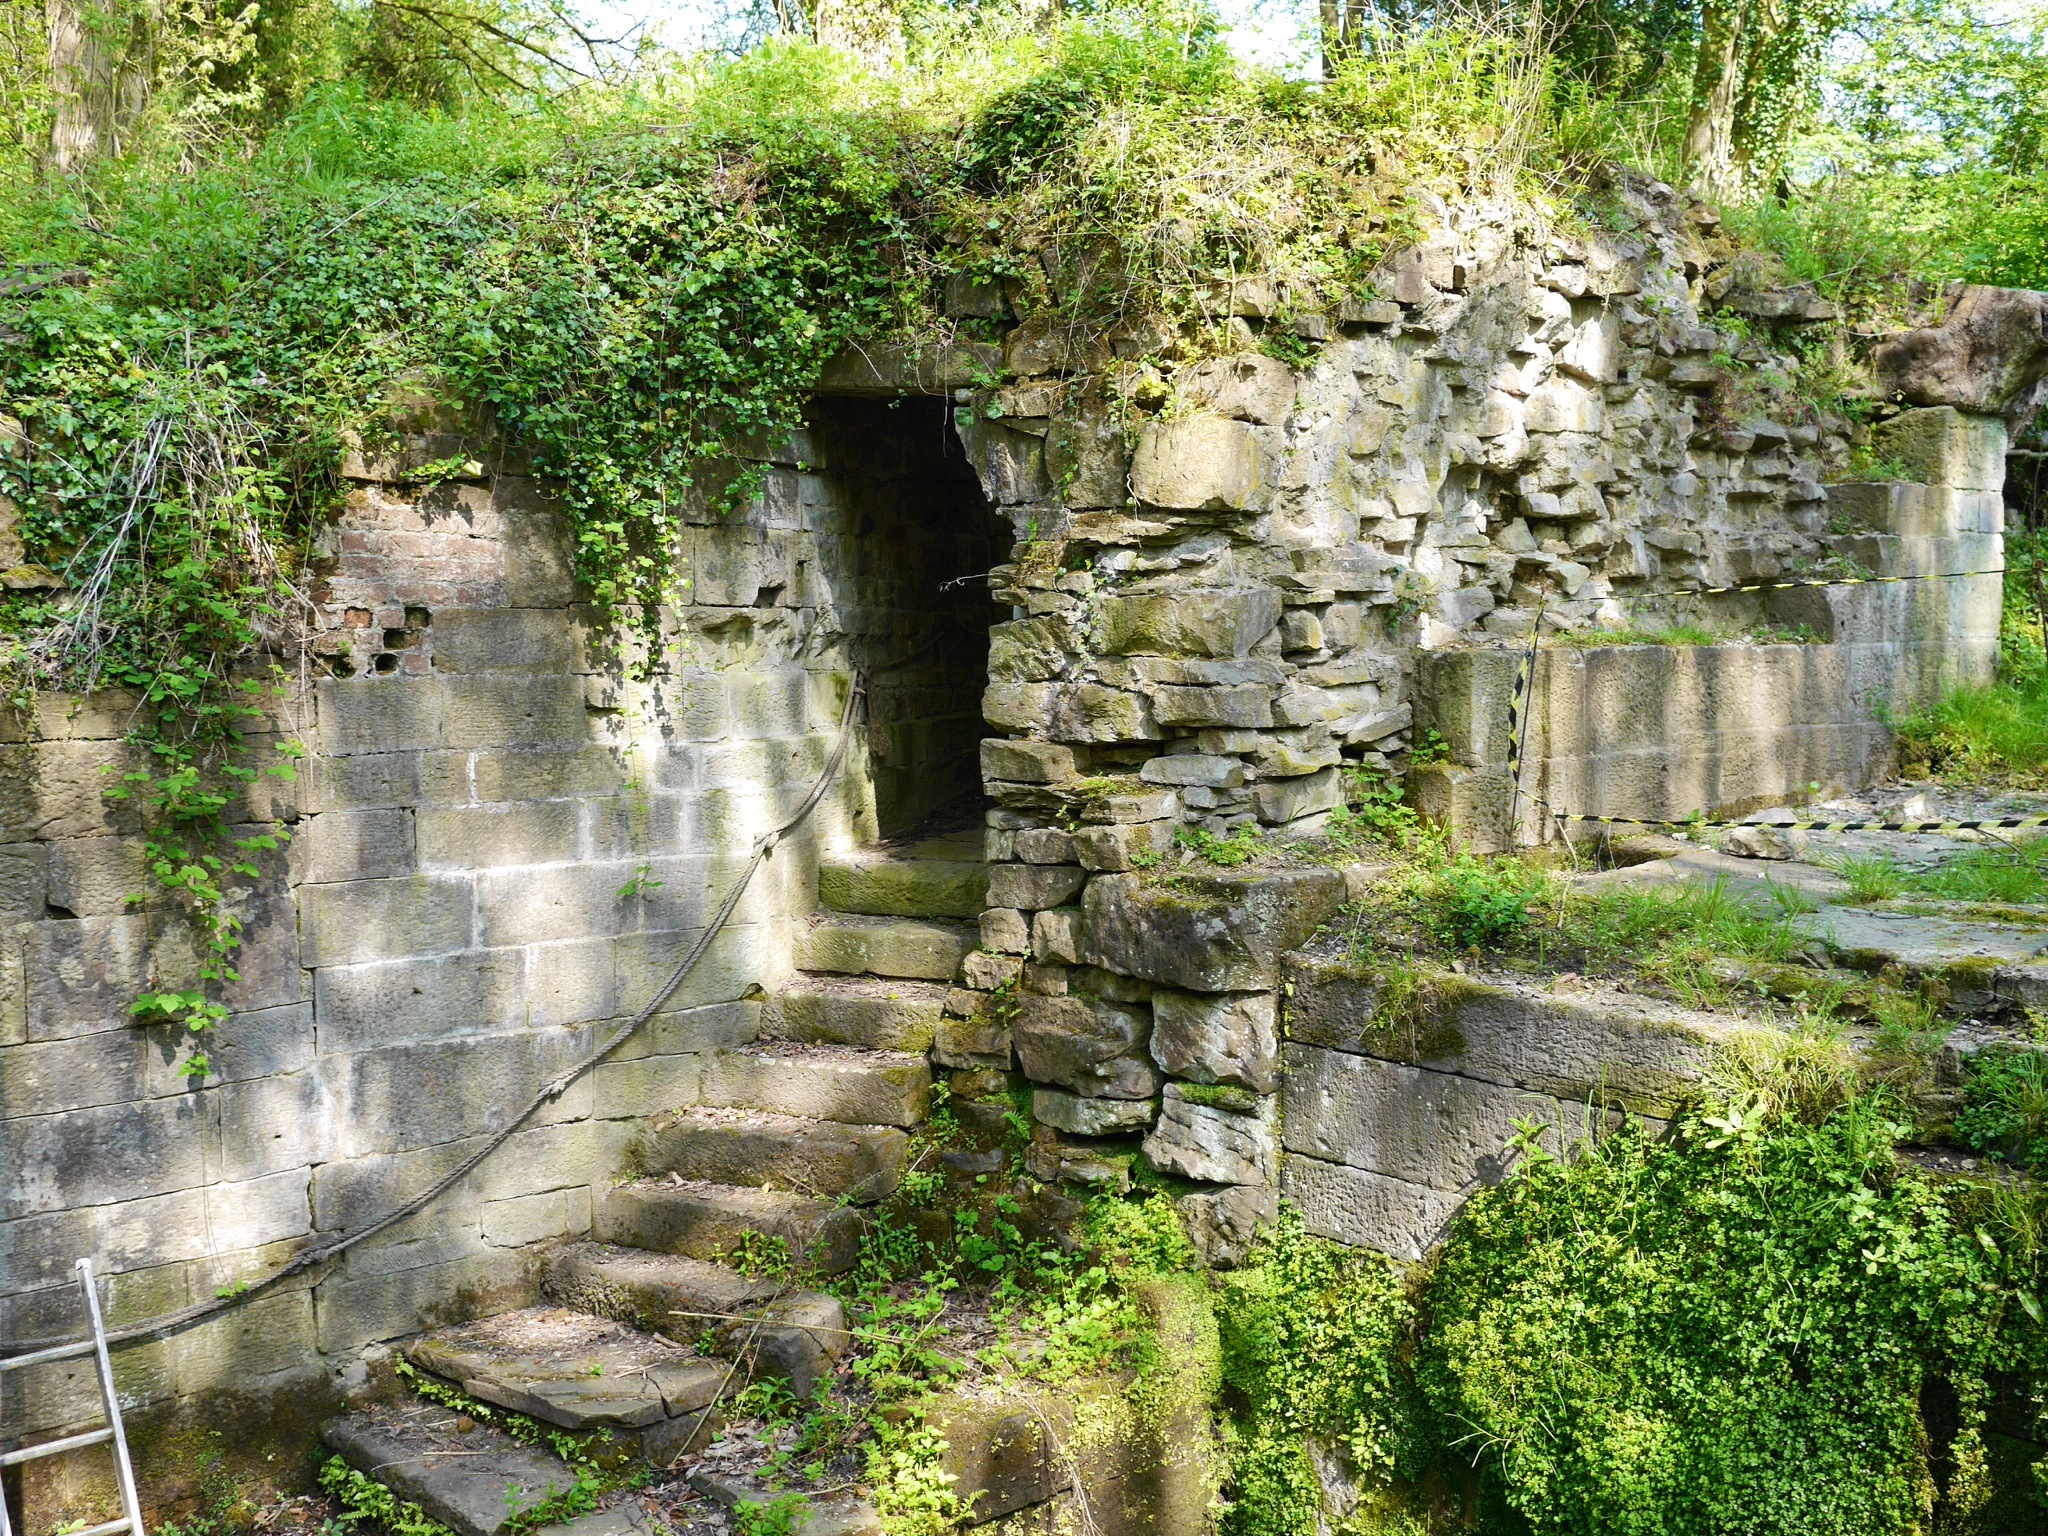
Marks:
<point>1096,1049</point>
<point>1203,464</point>
<point>1222,1037</point>
<point>1217,1135</point>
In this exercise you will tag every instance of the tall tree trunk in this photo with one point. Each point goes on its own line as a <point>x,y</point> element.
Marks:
<point>102,73</point>
<point>1342,24</point>
<point>1761,104</point>
<point>870,30</point>
<point>1710,133</point>
<point>81,77</point>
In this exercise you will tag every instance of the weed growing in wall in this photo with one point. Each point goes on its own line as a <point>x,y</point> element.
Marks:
<point>371,1504</point>
<point>2005,1106</point>
<point>1313,1336</point>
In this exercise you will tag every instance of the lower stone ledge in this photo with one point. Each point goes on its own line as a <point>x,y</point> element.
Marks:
<point>1365,1209</point>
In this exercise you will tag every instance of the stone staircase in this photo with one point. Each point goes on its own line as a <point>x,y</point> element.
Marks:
<point>793,1138</point>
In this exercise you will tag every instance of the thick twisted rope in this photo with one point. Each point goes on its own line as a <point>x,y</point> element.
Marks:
<point>321,1253</point>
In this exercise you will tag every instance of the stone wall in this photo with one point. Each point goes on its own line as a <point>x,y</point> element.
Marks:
<point>1660,731</point>
<point>501,842</point>
<point>1226,580</point>
<point>1235,578</point>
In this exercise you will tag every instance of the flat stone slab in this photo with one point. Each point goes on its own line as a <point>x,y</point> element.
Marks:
<point>812,1157</point>
<point>914,949</point>
<point>1561,1041</point>
<point>881,884</point>
<point>475,1482</point>
<point>710,1221</point>
<point>854,1087</point>
<point>794,1334</point>
<point>1983,962</point>
<point>571,1368</point>
<point>1756,881</point>
<point>841,1513</point>
<point>629,1518</point>
<point>855,1010</point>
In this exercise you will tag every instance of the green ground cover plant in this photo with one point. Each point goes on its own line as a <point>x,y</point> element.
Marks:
<point>2016,874</point>
<point>2005,1106</point>
<point>1735,1326</point>
<point>1434,908</point>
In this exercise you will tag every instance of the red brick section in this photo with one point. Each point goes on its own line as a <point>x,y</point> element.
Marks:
<point>395,556</point>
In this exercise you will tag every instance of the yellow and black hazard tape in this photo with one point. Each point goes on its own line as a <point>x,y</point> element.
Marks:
<point>1519,711</point>
<point>1975,824</point>
<point>1806,581</point>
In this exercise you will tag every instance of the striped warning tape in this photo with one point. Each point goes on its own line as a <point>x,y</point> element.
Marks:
<point>1978,824</point>
<point>1815,581</point>
<point>1519,712</point>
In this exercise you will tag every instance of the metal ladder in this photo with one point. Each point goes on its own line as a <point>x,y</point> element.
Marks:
<point>113,1434</point>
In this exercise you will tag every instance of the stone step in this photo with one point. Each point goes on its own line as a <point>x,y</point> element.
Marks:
<point>710,1221</point>
<point>772,1329</point>
<point>583,1373</point>
<point>861,1163</point>
<point>883,884</point>
<point>846,945</point>
<point>820,1082</point>
<point>476,1481</point>
<point>839,1512</point>
<point>855,1010</point>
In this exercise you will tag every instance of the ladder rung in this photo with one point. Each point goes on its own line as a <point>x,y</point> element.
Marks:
<point>103,1530</point>
<point>57,1447</point>
<point>71,1351</point>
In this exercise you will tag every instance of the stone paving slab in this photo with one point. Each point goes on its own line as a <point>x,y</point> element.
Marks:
<point>811,1157</point>
<point>794,1334</point>
<point>475,1482</point>
<point>710,1221</point>
<point>840,1513</point>
<point>572,1369</point>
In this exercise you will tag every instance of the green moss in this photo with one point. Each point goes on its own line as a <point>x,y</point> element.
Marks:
<point>1219,1096</point>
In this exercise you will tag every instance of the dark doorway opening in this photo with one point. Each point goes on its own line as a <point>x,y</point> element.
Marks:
<point>904,541</point>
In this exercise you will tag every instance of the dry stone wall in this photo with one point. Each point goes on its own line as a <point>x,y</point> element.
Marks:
<point>1235,577</point>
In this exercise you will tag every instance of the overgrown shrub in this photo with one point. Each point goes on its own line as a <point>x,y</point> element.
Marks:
<point>1727,1330</point>
<point>1312,1338</point>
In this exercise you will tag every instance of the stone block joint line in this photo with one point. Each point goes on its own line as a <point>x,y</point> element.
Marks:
<point>1519,711</point>
<point>1818,581</point>
<point>307,1258</point>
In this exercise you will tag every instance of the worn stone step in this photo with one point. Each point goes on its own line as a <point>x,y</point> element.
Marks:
<point>916,950</point>
<point>475,1482</point>
<point>861,1163</point>
<point>855,1010</point>
<point>582,1372</point>
<point>884,884</point>
<point>998,1450</point>
<point>710,1221</point>
<point>820,1082</point>
<point>840,1512</point>
<point>770,1327</point>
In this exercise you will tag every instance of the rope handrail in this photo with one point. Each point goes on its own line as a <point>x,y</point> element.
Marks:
<point>44,1351</point>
